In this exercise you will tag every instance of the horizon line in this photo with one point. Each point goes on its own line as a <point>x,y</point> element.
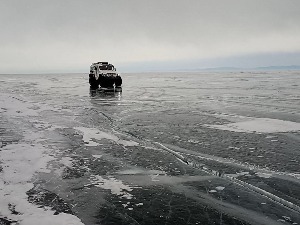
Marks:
<point>208,69</point>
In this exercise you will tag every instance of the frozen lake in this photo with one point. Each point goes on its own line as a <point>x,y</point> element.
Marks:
<point>172,148</point>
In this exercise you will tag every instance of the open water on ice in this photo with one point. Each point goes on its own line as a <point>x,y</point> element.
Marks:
<point>172,148</point>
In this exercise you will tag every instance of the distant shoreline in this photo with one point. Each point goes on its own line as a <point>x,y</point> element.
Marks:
<point>213,69</point>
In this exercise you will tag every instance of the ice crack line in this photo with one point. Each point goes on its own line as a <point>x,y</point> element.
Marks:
<point>251,187</point>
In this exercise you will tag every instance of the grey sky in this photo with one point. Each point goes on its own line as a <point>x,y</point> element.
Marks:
<point>58,35</point>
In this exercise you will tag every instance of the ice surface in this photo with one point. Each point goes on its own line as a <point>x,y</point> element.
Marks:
<point>162,145</point>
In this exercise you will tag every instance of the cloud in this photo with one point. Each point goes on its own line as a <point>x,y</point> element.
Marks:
<point>40,34</point>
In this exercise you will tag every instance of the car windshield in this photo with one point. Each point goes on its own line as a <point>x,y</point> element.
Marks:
<point>106,67</point>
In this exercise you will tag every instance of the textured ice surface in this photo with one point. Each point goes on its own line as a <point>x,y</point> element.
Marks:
<point>172,148</point>
<point>20,163</point>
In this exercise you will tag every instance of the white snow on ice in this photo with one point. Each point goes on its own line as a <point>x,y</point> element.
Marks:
<point>67,161</point>
<point>135,171</point>
<point>261,125</point>
<point>220,188</point>
<point>117,187</point>
<point>91,134</point>
<point>97,156</point>
<point>20,163</point>
<point>264,175</point>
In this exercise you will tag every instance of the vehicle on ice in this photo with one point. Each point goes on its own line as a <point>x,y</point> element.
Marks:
<point>104,75</point>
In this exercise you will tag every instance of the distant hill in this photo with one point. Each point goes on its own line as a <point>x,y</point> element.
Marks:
<point>266,68</point>
<point>294,67</point>
<point>222,69</point>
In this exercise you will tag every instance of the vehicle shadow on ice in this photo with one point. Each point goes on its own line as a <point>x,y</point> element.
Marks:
<point>98,93</point>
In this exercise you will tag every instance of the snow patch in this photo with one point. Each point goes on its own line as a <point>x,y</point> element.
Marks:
<point>21,161</point>
<point>91,134</point>
<point>47,218</point>
<point>97,156</point>
<point>261,125</point>
<point>117,187</point>
<point>239,174</point>
<point>220,188</point>
<point>154,177</point>
<point>264,175</point>
<point>67,161</point>
<point>135,171</point>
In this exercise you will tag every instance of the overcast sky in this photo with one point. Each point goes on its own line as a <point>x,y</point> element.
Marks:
<point>68,35</point>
